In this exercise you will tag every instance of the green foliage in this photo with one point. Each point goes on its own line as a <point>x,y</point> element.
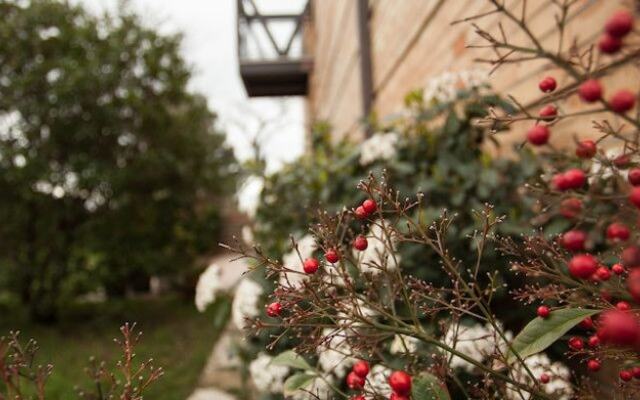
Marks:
<point>428,387</point>
<point>110,167</point>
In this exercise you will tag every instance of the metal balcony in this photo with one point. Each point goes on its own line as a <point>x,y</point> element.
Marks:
<point>271,50</point>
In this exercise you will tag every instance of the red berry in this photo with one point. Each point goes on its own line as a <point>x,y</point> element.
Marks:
<point>622,161</point>
<point>619,328</point>
<point>311,265</point>
<point>369,206</point>
<point>634,196</point>
<point>575,178</point>
<point>360,243</point>
<point>631,256</point>
<point>623,306</point>
<point>634,176</point>
<point>361,368</point>
<point>559,182</point>
<point>618,231</point>
<point>548,112</point>
<point>617,269</point>
<point>603,273</point>
<point>633,284</point>
<point>609,44</point>
<point>538,135</point>
<point>605,295</point>
<point>636,372</point>
<point>622,101</point>
<point>571,207</point>
<point>587,323</point>
<point>332,256</point>
<point>397,396</point>
<point>400,382</point>
<point>619,24</point>
<point>361,213</point>
<point>594,365</point>
<point>354,381</point>
<point>576,343</point>
<point>357,397</point>
<point>590,91</point>
<point>573,240</point>
<point>544,378</point>
<point>594,341</point>
<point>543,311</point>
<point>626,375</point>
<point>583,266</point>
<point>274,309</point>
<point>586,149</point>
<point>547,84</point>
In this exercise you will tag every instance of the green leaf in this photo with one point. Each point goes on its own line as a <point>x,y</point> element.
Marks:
<point>427,387</point>
<point>540,333</point>
<point>296,382</point>
<point>290,359</point>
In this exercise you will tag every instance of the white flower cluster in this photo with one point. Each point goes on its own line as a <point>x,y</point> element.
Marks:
<point>267,377</point>
<point>334,355</point>
<point>539,364</point>
<point>377,381</point>
<point>444,88</point>
<point>380,146</point>
<point>246,302</point>
<point>601,171</point>
<point>316,389</point>
<point>476,341</point>
<point>208,287</point>
<point>403,344</point>
<point>306,246</point>
<point>380,253</point>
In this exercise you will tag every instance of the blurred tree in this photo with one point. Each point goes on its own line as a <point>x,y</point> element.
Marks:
<point>109,166</point>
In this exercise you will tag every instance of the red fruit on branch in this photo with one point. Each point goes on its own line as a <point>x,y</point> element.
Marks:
<point>332,256</point>
<point>619,328</point>
<point>310,265</point>
<point>631,256</point>
<point>544,378</point>
<point>634,176</point>
<point>617,269</point>
<point>397,396</point>
<point>633,284</point>
<point>571,207</point>
<point>548,112</point>
<point>622,161</point>
<point>361,368</point>
<point>609,44</point>
<point>586,148</point>
<point>587,323</point>
<point>618,231</point>
<point>603,273</point>
<point>360,243</point>
<point>619,24</point>
<point>400,382</point>
<point>360,212</point>
<point>622,101</point>
<point>576,343</point>
<point>594,341</point>
<point>575,178</point>
<point>274,309</point>
<point>547,84</point>
<point>574,240</point>
<point>636,372</point>
<point>590,91</point>
<point>357,397</point>
<point>538,135</point>
<point>583,266</point>
<point>369,206</point>
<point>354,381</point>
<point>626,375</point>
<point>594,365</point>
<point>559,182</point>
<point>543,312</point>
<point>623,306</point>
<point>634,196</point>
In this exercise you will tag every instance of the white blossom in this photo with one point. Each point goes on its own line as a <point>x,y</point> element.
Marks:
<point>306,246</point>
<point>334,355</point>
<point>208,287</point>
<point>444,88</point>
<point>249,195</point>
<point>403,344</point>
<point>316,389</point>
<point>559,384</point>
<point>381,250</point>
<point>247,235</point>
<point>380,146</point>
<point>476,341</point>
<point>246,302</point>
<point>267,377</point>
<point>377,381</point>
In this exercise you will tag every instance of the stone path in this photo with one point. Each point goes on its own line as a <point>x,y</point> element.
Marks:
<point>219,375</point>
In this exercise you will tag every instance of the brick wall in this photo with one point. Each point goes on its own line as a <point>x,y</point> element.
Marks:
<point>413,41</point>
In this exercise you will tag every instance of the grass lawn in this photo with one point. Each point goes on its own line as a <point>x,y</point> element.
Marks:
<point>175,335</point>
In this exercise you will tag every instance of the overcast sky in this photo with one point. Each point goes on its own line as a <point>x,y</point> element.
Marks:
<point>209,28</point>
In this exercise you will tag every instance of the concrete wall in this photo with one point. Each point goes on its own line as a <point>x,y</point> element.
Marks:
<point>413,41</point>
